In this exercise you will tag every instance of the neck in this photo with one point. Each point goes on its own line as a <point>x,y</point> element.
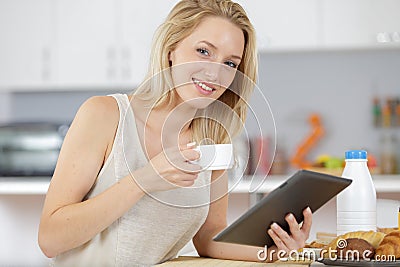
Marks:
<point>179,118</point>
<point>173,121</point>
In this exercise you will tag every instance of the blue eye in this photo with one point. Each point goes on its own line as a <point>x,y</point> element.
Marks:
<point>203,51</point>
<point>231,64</point>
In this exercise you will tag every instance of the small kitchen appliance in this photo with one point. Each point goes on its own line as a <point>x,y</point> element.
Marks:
<point>30,149</point>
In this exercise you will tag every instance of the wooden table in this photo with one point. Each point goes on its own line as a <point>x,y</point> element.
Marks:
<point>204,262</point>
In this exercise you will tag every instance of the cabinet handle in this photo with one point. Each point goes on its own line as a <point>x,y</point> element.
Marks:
<point>383,37</point>
<point>125,63</point>
<point>396,37</point>
<point>111,62</point>
<point>46,63</point>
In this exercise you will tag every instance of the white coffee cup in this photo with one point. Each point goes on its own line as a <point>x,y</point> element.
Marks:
<point>215,157</point>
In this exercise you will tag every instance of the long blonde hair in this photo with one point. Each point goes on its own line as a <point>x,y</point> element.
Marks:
<point>216,122</point>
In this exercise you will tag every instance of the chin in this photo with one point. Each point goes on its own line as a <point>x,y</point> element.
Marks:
<point>198,102</point>
<point>191,98</point>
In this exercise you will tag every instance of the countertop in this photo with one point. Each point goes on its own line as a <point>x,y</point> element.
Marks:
<point>39,185</point>
<point>204,262</point>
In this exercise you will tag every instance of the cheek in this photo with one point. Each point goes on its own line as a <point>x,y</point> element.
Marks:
<point>227,77</point>
<point>219,93</point>
<point>182,74</point>
<point>181,54</point>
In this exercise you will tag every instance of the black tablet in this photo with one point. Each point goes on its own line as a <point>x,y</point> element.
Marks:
<point>304,189</point>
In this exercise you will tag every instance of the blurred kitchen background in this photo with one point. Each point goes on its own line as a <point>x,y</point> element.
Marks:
<point>338,60</point>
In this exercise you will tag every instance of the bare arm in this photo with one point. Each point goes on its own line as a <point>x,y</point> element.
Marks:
<point>67,222</point>
<point>216,222</point>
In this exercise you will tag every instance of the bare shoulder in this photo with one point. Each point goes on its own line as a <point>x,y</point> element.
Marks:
<point>93,127</point>
<point>100,107</point>
<point>84,149</point>
<point>99,113</point>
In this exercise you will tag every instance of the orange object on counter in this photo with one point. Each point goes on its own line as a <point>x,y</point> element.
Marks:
<point>299,159</point>
<point>386,116</point>
<point>398,114</point>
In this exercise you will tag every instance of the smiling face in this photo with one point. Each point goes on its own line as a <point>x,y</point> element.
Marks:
<point>204,64</point>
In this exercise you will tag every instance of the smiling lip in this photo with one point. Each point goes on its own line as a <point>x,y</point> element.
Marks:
<point>201,89</point>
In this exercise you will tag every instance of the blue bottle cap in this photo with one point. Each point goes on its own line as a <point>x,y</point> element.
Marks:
<point>356,154</point>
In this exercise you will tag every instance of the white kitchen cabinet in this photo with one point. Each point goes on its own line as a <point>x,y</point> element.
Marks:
<point>86,45</point>
<point>26,47</point>
<point>138,24</point>
<point>360,23</point>
<point>284,24</point>
<point>107,42</point>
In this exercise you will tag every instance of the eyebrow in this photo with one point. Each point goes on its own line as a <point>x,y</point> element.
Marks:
<point>214,47</point>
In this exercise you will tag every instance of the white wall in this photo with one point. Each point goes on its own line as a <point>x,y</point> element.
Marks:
<point>338,85</point>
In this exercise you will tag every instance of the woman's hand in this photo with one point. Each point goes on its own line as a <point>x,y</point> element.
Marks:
<point>299,234</point>
<point>170,169</point>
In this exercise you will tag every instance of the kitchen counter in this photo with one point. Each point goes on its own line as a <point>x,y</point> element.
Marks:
<point>383,183</point>
<point>24,185</point>
<point>204,262</point>
<point>22,201</point>
<point>39,185</point>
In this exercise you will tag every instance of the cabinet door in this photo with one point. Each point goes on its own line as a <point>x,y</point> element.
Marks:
<point>86,43</point>
<point>26,55</point>
<point>138,25</point>
<point>284,24</point>
<point>360,23</point>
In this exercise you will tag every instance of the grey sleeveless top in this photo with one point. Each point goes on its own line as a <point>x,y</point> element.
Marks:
<point>157,226</point>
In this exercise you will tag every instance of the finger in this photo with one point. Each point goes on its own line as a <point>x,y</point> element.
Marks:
<point>187,167</point>
<point>177,177</point>
<point>191,145</point>
<point>293,226</point>
<point>188,146</point>
<point>282,234</point>
<point>187,180</point>
<point>278,242</point>
<point>306,227</point>
<point>189,177</point>
<point>192,168</point>
<point>179,160</point>
<point>172,154</point>
<point>185,183</point>
<point>190,154</point>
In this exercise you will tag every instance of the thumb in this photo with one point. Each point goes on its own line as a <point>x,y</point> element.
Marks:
<point>190,145</point>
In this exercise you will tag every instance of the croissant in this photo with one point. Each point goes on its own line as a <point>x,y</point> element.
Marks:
<point>387,230</point>
<point>372,237</point>
<point>390,245</point>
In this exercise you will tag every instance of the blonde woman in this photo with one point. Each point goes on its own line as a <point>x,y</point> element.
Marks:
<point>125,191</point>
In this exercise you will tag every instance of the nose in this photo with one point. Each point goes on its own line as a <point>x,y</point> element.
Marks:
<point>211,76</point>
<point>212,71</point>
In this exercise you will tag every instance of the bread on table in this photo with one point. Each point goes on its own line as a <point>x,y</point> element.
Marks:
<point>371,237</point>
<point>387,230</point>
<point>364,248</point>
<point>390,246</point>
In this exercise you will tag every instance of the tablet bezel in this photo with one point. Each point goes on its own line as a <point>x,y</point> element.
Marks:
<point>303,189</point>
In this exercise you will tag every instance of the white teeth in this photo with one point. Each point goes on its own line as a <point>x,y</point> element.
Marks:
<point>202,85</point>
